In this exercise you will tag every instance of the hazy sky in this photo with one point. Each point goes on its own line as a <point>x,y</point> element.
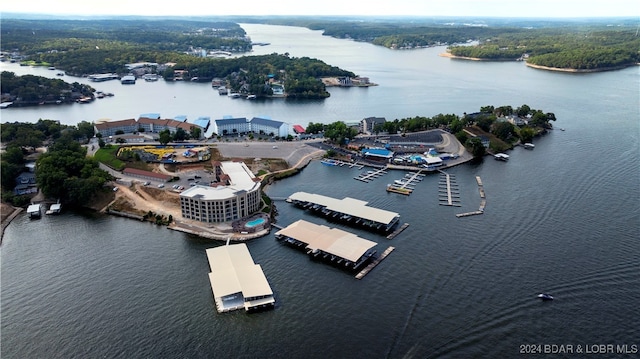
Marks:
<point>498,8</point>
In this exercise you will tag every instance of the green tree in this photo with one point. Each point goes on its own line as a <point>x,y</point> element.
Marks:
<point>503,130</point>
<point>164,137</point>
<point>526,134</point>
<point>195,132</point>
<point>64,172</point>
<point>476,147</point>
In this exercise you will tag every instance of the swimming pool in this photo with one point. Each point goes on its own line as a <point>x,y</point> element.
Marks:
<point>255,222</point>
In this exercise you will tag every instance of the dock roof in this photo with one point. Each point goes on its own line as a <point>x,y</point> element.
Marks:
<point>233,271</point>
<point>329,240</point>
<point>347,205</point>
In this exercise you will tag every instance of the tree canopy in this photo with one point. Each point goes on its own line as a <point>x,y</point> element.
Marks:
<point>64,172</point>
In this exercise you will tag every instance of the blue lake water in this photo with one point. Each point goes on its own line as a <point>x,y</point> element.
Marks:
<point>563,218</point>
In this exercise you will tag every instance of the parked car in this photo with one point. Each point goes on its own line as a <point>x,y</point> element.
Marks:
<point>161,185</point>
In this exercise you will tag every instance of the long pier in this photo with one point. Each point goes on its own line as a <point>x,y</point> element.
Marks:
<point>483,201</point>
<point>448,189</point>
<point>397,231</point>
<point>371,175</point>
<point>373,264</point>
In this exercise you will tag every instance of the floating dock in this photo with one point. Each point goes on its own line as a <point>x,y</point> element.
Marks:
<point>340,248</point>
<point>448,189</point>
<point>373,264</point>
<point>348,210</point>
<point>397,231</point>
<point>407,184</point>
<point>335,162</point>
<point>483,201</point>
<point>371,174</point>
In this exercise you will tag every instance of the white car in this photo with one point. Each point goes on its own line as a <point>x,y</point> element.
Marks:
<point>161,185</point>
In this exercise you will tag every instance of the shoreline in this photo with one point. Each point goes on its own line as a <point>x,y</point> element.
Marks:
<point>578,71</point>
<point>540,67</point>
<point>7,221</point>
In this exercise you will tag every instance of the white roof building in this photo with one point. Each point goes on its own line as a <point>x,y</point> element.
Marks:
<point>236,281</point>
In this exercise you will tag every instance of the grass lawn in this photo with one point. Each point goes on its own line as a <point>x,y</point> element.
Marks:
<point>107,155</point>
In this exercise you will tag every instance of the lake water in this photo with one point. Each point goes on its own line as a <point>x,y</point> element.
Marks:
<point>563,218</point>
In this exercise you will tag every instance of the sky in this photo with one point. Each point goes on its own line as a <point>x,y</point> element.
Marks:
<point>480,8</point>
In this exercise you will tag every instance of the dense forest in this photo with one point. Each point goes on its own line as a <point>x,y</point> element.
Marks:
<point>21,139</point>
<point>580,50</point>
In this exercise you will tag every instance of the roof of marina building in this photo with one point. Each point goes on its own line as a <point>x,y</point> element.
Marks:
<point>202,122</point>
<point>334,241</point>
<point>240,179</point>
<point>350,206</point>
<point>266,122</point>
<point>236,281</point>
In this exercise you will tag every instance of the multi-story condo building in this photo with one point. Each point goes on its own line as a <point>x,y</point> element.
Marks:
<point>235,194</point>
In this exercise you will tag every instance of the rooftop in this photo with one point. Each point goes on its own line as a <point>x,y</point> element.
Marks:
<point>347,205</point>
<point>330,240</point>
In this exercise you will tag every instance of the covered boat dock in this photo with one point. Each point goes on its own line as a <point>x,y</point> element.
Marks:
<point>339,247</point>
<point>236,281</point>
<point>349,210</point>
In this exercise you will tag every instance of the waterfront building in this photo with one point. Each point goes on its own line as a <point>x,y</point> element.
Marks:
<point>267,126</point>
<point>235,194</point>
<point>202,122</point>
<point>368,124</point>
<point>109,128</point>
<point>228,126</point>
<point>236,281</point>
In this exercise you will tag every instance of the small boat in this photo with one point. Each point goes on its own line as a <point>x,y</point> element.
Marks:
<point>329,162</point>
<point>501,157</point>
<point>54,209</point>
<point>34,211</point>
<point>252,97</point>
<point>545,296</point>
<point>529,146</point>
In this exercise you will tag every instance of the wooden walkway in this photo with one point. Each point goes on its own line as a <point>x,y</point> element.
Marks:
<point>397,231</point>
<point>407,184</point>
<point>371,175</point>
<point>373,264</point>
<point>449,195</point>
<point>483,201</point>
<point>348,164</point>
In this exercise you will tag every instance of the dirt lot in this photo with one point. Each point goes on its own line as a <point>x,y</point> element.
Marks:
<point>140,199</point>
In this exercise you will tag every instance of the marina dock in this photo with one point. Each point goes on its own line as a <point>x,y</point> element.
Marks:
<point>335,162</point>
<point>407,184</point>
<point>397,231</point>
<point>371,175</point>
<point>448,193</point>
<point>347,210</point>
<point>483,201</point>
<point>373,264</point>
